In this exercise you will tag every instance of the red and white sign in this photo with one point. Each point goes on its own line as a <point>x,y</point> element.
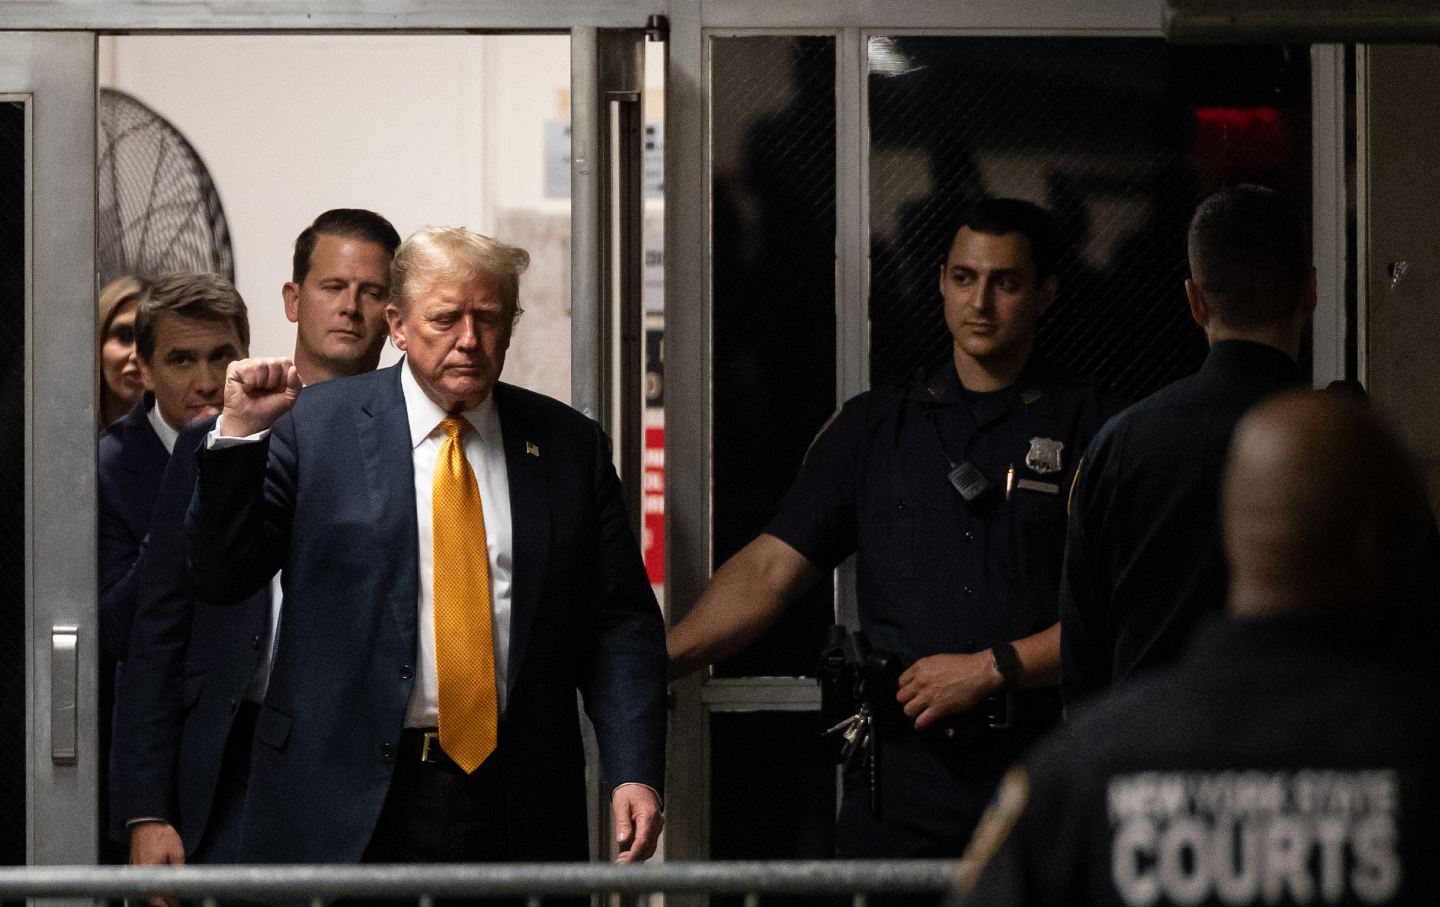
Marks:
<point>652,495</point>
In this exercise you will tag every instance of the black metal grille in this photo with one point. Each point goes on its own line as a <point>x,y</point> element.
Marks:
<point>157,209</point>
<point>12,484</point>
<point>1120,138</point>
<point>773,142</point>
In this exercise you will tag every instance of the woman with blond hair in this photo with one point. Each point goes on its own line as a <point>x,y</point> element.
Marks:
<point>120,382</point>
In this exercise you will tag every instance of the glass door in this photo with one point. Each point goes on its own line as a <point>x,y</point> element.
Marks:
<point>836,164</point>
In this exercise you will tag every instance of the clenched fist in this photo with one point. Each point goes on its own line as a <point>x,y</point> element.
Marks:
<point>257,392</point>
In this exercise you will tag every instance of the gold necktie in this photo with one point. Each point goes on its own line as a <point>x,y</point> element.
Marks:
<point>464,647</point>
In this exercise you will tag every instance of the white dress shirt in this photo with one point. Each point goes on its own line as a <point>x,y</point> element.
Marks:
<point>485,450</point>
<point>168,436</point>
<point>260,681</point>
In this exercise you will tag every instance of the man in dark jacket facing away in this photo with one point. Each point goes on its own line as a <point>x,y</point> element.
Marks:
<point>1142,557</point>
<point>1292,756</point>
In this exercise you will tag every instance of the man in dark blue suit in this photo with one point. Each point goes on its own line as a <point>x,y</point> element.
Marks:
<point>188,327</point>
<point>187,675</point>
<point>197,672</point>
<point>408,509</point>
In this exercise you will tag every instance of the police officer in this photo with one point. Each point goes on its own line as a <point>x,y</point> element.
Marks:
<point>1291,757</point>
<point>1143,561</point>
<point>951,494</point>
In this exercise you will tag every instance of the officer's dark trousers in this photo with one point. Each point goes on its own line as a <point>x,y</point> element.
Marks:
<point>932,795</point>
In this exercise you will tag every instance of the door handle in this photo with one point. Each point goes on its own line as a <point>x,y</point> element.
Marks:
<point>64,693</point>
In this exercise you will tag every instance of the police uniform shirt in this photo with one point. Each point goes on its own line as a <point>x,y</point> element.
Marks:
<point>1281,762</point>
<point>1143,561</point>
<point>937,575</point>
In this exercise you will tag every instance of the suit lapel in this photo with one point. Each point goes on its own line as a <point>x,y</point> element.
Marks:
<point>529,517</point>
<point>384,434</point>
<point>148,455</point>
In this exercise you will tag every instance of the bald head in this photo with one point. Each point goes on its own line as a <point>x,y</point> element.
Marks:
<point>1321,509</point>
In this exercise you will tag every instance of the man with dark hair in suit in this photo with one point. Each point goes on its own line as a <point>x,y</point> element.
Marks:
<point>197,672</point>
<point>339,285</point>
<point>457,563</point>
<point>188,328</point>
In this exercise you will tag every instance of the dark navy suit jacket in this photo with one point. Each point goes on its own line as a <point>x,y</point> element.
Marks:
<point>132,460</point>
<point>190,664</point>
<point>330,498</point>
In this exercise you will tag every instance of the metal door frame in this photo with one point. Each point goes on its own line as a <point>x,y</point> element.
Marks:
<point>52,53</point>
<point>607,82</point>
<point>607,90</point>
<point>55,75</point>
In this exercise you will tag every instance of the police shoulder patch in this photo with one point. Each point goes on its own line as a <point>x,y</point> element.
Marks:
<point>821,433</point>
<point>995,826</point>
<point>1074,481</point>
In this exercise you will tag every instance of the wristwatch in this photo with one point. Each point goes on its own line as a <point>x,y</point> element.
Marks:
<point>1008,664</point>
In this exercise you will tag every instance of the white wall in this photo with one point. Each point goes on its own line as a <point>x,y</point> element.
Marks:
<point>423,129</point>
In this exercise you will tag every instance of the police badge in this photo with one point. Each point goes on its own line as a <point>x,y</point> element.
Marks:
<point>1044,455</point>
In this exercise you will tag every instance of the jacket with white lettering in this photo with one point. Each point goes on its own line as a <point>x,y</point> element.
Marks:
<point>1280,762</point>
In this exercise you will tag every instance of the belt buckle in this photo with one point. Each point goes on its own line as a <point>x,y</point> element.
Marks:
<point>432,739</point>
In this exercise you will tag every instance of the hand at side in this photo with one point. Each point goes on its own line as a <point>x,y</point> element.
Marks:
<point>638,822</point>
<point>157,843</point>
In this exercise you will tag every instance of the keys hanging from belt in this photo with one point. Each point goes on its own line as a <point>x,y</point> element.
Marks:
<point>856,731</point>
<point>860,744</point>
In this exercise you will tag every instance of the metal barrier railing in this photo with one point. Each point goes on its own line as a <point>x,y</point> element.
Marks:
<point>533,881</point>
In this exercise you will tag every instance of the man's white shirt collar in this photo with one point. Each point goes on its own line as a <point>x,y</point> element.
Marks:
<point>425,415</point>
<point>168,436</point>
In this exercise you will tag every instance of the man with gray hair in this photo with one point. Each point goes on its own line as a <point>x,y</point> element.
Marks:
<point>457,563</point>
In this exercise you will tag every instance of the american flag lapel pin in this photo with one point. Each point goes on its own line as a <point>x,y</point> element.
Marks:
<point>532,448</point>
